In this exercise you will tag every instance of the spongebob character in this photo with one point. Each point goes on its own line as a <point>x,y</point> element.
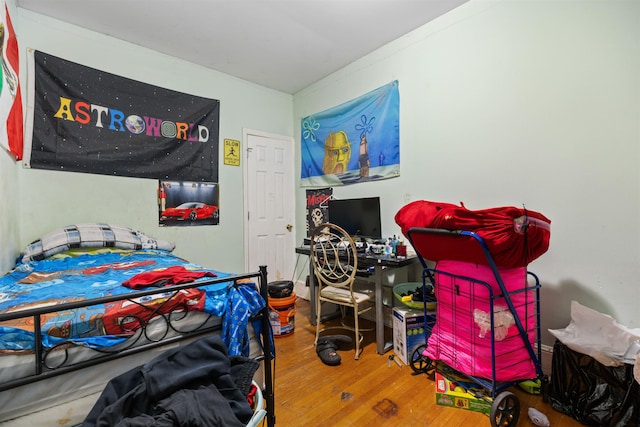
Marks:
<point>337,153</point>
<point>363,158</point>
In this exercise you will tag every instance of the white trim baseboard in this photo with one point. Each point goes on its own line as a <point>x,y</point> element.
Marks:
<point>301,290</point>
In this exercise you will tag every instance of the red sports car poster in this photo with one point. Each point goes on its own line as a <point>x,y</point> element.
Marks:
<point>184,203</point>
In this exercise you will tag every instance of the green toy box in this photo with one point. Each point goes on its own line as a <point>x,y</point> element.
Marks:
<point>451,391</point>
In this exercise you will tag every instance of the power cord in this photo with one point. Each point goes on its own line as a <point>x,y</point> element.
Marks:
<point>293,278</point>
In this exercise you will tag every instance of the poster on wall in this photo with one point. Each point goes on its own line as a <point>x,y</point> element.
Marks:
<point>231,152</point>
<point>188,203</point>
<point>317,207</point>
<point>11,128</point>
<point>357,141</point>
<point>85,120</point>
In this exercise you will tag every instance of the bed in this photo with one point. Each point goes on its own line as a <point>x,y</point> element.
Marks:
<point>89,303</point>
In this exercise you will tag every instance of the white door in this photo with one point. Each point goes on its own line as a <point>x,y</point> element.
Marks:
<point>269,204</point>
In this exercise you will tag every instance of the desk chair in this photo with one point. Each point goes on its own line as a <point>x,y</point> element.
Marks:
<point>335,262</point>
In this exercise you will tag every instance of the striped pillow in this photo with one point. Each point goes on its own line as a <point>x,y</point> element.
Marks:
<point>91,235</point>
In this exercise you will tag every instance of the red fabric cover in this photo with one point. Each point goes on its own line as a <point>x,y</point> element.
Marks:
<point>169,276</point>
<point>127,316</point>
<point>458,339</point>
<point>499,227</point>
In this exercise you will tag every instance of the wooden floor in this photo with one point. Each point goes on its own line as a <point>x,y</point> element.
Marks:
<point>367,392</point>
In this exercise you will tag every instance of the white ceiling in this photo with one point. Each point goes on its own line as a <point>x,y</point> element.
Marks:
<point>281,44</point>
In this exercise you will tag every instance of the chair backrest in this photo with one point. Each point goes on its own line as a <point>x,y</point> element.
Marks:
<point>334,256</point>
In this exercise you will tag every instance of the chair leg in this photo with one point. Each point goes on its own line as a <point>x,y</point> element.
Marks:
<point>318,316</point>
<point>357,330</point>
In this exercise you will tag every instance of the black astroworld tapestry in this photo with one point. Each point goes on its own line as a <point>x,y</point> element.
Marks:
<point>87,120</point>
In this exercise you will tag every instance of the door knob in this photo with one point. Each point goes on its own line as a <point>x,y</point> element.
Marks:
<point>289,227</point>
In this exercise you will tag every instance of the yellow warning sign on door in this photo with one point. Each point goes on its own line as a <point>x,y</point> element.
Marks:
<point>231,152</point>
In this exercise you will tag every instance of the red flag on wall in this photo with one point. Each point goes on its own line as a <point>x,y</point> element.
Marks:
<point>11,122</point>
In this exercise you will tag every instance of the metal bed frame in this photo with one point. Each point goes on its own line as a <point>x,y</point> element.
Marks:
<point>44,370</point>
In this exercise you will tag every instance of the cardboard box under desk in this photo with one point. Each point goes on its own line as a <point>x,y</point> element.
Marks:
<point>410,331</point>
<point>450,392</point>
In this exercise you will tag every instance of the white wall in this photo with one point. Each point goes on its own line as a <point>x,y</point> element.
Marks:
<point>533,103</point>
<point>9,211</point>
<point>52,199</point>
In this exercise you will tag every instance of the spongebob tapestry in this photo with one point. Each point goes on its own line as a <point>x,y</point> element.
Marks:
<point>357,141</point>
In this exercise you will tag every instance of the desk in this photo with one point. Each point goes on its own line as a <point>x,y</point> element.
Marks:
<point>365,260</point>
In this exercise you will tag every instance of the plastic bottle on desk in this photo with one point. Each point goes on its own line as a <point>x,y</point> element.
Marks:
<point>401,249</point>
<point>387,247</point>
<point>394,244</point>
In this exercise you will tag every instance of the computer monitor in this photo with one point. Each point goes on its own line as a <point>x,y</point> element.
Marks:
<point>358,217</point>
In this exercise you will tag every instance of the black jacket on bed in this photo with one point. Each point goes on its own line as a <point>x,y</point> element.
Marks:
<point>192,385</point>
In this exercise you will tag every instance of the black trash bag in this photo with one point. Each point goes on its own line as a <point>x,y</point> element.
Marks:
<point>592,393</point>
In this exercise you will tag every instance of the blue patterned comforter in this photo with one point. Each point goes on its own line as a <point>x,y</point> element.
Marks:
<point>86,274</point>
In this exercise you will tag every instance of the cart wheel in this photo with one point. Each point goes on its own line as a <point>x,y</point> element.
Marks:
<point>544,388</point>
<point>505,410</point>
<point>419,363</point>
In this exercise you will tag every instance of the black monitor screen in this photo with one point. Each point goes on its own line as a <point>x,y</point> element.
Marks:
<point>358,217</point>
